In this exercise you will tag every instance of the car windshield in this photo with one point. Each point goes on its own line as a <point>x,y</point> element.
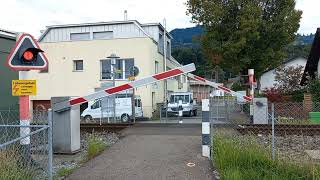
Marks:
<point>177,98</point>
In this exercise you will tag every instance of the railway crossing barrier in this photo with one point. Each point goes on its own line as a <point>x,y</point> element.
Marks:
<point>66,114</point>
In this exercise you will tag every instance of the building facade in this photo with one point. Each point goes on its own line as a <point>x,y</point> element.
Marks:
<point>78,62</point>
<point>7,42</point>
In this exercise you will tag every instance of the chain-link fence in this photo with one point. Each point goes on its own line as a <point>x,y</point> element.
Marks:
<point>25,150</point>
<point>190,114</point>
<point>284,132</point>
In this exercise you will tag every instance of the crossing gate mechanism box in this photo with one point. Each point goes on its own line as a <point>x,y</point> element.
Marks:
<point>66,126</point>
<point>260,111</point>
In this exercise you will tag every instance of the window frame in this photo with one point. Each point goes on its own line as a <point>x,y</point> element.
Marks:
<point>123,69</point>
<point>73,33</point>
<point>99,32</point>
<point>75,65</point>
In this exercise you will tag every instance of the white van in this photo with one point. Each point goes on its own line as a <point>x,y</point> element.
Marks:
<point>187,104</point>
<point>104,108</point>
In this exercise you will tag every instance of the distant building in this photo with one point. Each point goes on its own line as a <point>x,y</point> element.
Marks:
<point>202,91</point>
<point>7,41</point>
<point>267,80</point>
<point>78,64</point>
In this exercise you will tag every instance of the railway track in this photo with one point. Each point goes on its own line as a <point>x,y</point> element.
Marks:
<point>280,129</point>
<point>113,127</point>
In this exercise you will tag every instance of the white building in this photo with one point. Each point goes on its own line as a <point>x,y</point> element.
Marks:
<point>267,80</point>
<point>78,64</point>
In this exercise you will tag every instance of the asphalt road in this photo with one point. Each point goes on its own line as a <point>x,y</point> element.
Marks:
<point>151,152</point>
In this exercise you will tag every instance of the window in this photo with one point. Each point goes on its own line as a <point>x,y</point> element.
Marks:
<point>77,65</point>
<point>105,69</point>
<point>103,35</point>
<point>160,43</point>
<point>121,69</point>
<point>129,63</point>
<point>168,49</point>
<point>96,104</point>
<point>79,36</point>
<point>177,98</point>
<point>156,67</point>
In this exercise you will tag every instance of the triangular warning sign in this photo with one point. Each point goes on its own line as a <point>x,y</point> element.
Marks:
<point>16,61</point>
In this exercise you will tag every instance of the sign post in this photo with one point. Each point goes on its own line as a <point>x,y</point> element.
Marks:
<point>251,94</point>
<point>26,55</point>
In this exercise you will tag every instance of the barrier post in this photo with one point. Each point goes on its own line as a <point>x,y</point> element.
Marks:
<point>206,133</point>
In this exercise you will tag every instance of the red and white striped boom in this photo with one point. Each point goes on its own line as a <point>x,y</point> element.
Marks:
<point>217,86</point>
<point>134,84</point>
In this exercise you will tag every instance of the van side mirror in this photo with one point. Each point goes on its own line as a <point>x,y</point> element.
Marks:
<point>191,101</point>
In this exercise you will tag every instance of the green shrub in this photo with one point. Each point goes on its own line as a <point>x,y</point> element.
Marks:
<point>237,86</point>
<point>314,88</point>
<point>95,146</point>
<point>297,96</point>
<point>244,159</point>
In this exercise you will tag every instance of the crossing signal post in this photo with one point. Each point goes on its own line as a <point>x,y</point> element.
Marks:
<point>26,55</point>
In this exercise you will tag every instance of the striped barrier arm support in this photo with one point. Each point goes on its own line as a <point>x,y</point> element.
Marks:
<point>134,84</point>
<point>206,137</point>
<point>215,85</point>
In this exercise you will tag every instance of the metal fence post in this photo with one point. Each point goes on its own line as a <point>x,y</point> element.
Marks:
<point>206,133</point>
<point>50,144</point>
<point>273,135</point>
<point>160,110</point>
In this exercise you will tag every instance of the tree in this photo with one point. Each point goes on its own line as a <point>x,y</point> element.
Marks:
<point>294,51</point>
<point>288,79</point>
<point>243,34</point>
<point>187,55</point>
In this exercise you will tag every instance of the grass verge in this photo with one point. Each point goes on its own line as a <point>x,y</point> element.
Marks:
<point>239,158</point>
<point>95,146</point>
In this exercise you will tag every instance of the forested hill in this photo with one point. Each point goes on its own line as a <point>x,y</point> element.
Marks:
<point>186,37</point>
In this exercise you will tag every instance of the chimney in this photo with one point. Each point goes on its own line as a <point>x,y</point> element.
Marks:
<point>125,15</point>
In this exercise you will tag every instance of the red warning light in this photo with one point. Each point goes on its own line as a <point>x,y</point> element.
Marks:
<point>28,55</point>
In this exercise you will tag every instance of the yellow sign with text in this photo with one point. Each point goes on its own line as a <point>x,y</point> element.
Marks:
<point>24,87</point>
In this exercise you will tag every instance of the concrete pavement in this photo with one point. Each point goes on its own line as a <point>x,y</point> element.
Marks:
<point>157,152</point>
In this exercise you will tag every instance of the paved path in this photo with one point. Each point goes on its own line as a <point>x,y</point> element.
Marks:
<point>151,152</point>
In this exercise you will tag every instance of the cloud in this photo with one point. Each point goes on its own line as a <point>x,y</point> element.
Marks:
<point>34,15</point>
<point>310,17</point>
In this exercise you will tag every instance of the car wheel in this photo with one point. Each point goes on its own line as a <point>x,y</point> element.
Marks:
<point>125,118</point>
<point>87,119</point>
<point>195,112</point>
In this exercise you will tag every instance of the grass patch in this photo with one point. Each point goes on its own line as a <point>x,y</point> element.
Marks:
<point>64,172</point>
<point>242,158</point>
<point>11,166</point>
<point>95,146</point>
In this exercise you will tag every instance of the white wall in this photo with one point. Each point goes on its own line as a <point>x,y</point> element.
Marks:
<point>267,80</point>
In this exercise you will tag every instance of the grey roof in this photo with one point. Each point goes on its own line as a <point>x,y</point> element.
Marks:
<point>8,34</point>
<point>101,23</point>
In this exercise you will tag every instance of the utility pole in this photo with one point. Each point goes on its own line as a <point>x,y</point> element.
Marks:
<point>113,58</point>
<point>165,57</point>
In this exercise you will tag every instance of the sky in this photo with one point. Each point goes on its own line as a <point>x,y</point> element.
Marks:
<point>32,16</point>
